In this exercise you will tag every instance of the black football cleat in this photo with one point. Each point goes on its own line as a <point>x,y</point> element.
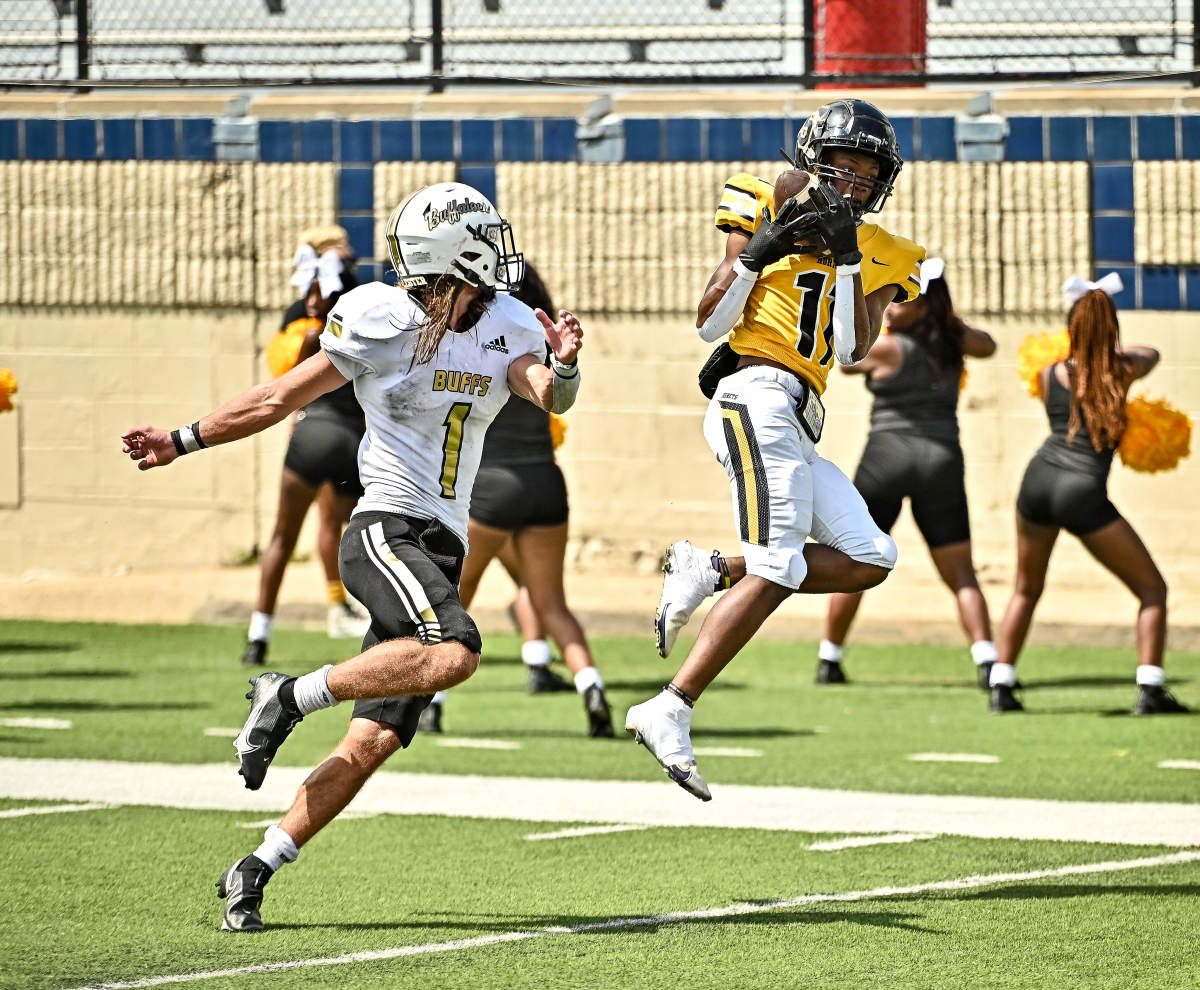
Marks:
<point>267,726</point>
<point>543,680</point>
<point>1003,700</point>
<point>241,887</point>
<point>431,718</point>
<point>984,672</point>
<point>599,714</point>
<point>830,672</point>
<point>1154,699</point>
<point>256,653</point>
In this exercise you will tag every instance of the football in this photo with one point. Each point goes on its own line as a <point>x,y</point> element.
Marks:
<point>790,183</point>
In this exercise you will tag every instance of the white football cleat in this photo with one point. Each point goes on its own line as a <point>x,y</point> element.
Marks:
<point>666,732</point>
<point>345,623</point>
<point>688,579</point>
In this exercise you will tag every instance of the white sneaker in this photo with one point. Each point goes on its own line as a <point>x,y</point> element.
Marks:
<point>345,624</point>
<point>688,579</point>
<point>666,732</point>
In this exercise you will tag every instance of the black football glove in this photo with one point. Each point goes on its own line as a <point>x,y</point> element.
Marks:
<point>776,238</point>
<point>834,219</point>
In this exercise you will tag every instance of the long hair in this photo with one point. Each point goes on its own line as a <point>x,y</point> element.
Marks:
<point>1098,381</point>
<point>437,300</point>
<point>940,331</point>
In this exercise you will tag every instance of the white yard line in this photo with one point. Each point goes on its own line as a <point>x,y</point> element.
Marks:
<point>614,924</point>
<point>53,809</point>
<point>953,758</point>
<point>857,841</point>
<point>453,742</point>
<point>35,723</point>
<point>222,733</point>
<point>735,751</point>
<point>654,801</point>
<point>574,833</point>
<point>1179,765</point>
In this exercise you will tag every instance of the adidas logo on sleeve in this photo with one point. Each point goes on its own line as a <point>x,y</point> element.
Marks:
<point>497,345</point>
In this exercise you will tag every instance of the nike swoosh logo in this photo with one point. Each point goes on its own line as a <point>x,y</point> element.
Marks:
<point>878,262</point>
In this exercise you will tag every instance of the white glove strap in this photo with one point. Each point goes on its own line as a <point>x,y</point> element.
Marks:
<point>844,338</point>
<point>728,310</point>
<point>565,385</point>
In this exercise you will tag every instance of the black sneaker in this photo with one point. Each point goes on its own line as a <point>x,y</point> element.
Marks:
<point>830,672</point>
<point>1157,700</point>
<point>984,672</point>
<point>1003,699</point>
<point>256,653</point>
<point>599,715</point>
<point>431,718</point>
<point>542,680</point>
<point>241,887</point>
<point>267,726</point>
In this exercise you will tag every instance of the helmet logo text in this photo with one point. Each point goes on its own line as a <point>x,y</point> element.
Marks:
<point>452,212</point>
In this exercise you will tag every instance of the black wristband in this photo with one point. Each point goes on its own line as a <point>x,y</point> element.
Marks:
<point>196,433</point>
<point>179,447</point>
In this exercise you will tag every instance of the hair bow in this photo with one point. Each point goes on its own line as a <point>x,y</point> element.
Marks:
<point>325,268</point>
<point>1076,287</point>
<point>931,268</point>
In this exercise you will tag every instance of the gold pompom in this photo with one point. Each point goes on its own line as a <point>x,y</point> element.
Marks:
<point>1037,351</point>
<point>8,388</point>
<point>558,430</point>
<point>1157,436</point>
<point>284,348</point>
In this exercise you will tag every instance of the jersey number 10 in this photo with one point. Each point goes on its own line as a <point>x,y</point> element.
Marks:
<point>812,286</point>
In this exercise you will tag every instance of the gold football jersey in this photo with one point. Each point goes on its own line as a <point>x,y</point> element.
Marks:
<point>789,315</point>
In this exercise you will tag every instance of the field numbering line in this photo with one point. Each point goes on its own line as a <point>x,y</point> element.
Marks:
<point>953,758</point>
<point>704,914</point>
<point>53,809</point>
<point>855,841</point>
<point>573,833</point>
<point>27,722</point>
<point>468,743</point>
<point>1179,765</point>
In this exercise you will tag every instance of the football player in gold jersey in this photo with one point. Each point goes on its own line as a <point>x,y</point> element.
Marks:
<point>795,291</point>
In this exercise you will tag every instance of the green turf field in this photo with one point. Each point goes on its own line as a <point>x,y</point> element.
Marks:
<point>125,893</point>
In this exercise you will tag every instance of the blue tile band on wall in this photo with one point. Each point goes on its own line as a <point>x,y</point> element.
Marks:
<point>1068,139</point>
<point>10,139</point>
<point>1112,139</point>
<point>159,138</point>
<point>356,189</point>
<point>120,139</point>
<point>196,139</point>
<point>1127,297</point>
<point>768,135</point>
<point>395,141</point>
<point>481,177</point>
<point>727,139</point>
<point>41,139</point>
<point>905,137</point>
<point>356,141</point>
<point>518,140</point>
<point>1024,142</point>
<point>558,139</point>
<point>1160,287</point>
<point>316,141</point>
<point>478,140</point>
<point>1113,238</point>
<point>1112,187</point>
<point>683,139</point>
<point>643,139</point>
<point>436,140</point>
<point>1190,125</point>
<point>277,140</point>
<point>1191,281</point>
<point>1155,136</point>
<point>936,139</point>
<point>361,231</point>
<point>79,140</point>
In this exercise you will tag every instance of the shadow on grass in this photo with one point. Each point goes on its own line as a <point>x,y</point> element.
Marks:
<point>20,646</point>
<point>39,675</point>
<point>58,705</point>
<point>1041,891</point>
<point>20,739</point>
<point>466,924</point>
<point>762,732</point>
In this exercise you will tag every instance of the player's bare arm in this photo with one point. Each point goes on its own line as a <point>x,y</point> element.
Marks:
<point>1142,360</point>
<point>251,412</point>
<point>553,388</point>
<point>722,278</point>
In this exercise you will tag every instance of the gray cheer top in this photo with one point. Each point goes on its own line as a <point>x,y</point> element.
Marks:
<point>1079,454</point>
<point>919,398</point>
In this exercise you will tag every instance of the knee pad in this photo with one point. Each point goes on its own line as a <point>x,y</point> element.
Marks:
<point>880,551</point>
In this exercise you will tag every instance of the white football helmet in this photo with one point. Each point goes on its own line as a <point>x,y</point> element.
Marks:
<point>452,229</point>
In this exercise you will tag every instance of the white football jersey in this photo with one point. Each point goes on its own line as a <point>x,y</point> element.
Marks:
<point>425,422</point>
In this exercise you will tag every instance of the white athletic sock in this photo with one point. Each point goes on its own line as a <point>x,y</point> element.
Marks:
<point>439,698</point>
<point>984,651</point>
<point>277,848</point>
<point>673,703</point>
<point>1149,675</point>
<point>536,653</point>
<point>312,691</point>
<point>260,627</point>
<point>829,651</point>
<point>586,678</point>
<point>1003,675</point>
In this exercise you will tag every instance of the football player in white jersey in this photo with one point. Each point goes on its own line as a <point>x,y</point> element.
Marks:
<point>432,362</point>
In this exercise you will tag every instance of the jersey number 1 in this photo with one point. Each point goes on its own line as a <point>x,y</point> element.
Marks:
<point>452,447</point>
<point>812,285</point>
